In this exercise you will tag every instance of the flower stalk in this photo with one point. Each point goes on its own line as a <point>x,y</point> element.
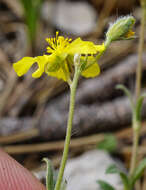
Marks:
<point>73,87</point>
<point>140,50</point>
<point>136,134</point>
<point>136,124</point>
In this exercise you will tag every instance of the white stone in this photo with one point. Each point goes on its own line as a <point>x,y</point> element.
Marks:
<point>83,172</point>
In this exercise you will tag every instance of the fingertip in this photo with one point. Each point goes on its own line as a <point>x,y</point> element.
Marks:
<point>14,176</point>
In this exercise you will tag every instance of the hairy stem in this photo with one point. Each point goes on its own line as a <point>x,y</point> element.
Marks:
<point>73,87</point>
<point>136,133</point>
<point>140,50</point>
<point>137,124</point>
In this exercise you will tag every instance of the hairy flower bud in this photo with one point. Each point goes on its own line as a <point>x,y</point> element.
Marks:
<point>121,29</point>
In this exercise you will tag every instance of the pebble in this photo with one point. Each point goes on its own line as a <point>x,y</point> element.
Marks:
<point>83,172</point>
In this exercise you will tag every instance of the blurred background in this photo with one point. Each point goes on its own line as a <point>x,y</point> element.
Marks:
<point>33,112</point>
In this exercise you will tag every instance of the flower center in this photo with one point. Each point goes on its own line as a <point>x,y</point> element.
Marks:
<point>58,42</point>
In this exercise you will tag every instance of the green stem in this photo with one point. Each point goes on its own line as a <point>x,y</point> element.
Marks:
<point>136,134</point>
<point>73,87</point>
<point>136,123</point>
<point>140,50</point>
<point>107,43</point>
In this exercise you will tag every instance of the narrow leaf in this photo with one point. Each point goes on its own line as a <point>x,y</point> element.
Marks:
<point>125,180</point>
<point>49,175</point>
<point>139,107</point>
<point>113,169</point>
<point>105,186</point>
<point>138,171</point>
<point>127,92</point>
<point>31,14</point>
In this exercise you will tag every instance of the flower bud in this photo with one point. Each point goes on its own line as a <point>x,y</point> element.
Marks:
<point>77,58</point>
<point>121,29</point>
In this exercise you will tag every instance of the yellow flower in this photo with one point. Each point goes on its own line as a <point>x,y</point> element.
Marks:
<point>57,63</point>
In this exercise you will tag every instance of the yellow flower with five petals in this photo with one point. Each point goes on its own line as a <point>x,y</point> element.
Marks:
<point>61,52</point>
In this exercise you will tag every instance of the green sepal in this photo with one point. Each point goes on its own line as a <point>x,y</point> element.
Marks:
<point>130,38</point>
<point>83,62</point>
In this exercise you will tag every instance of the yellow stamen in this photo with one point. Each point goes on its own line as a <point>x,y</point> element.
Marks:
<point>58,42</point>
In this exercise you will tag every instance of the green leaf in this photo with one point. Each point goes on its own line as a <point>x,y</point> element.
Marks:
<point>31,13</point>
<point>104,185</point>
<point>139,107</point>
<point>49,175</point>
<point>127,92</point>
<point>138,171</point>
<point>125,180</point>
<point>113,169</point>
<point>109,143</point>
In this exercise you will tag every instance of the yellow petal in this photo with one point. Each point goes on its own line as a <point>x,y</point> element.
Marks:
<point>60,74</point>
<point>92,71</point>
<point>22,66</point>
<point>100,48</point>
<point>41,61</point>
<point>81,47</point>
